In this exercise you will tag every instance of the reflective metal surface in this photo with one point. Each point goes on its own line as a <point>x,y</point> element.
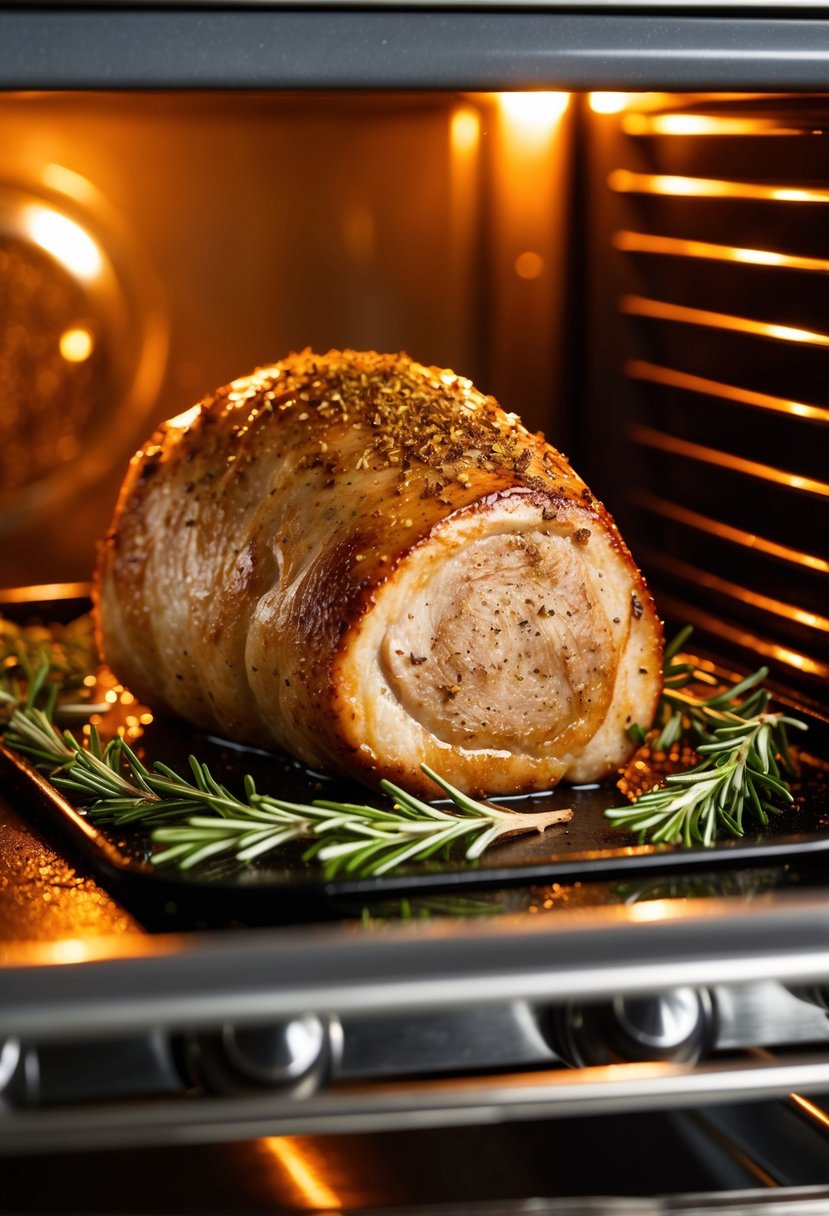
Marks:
<point>650,1164</point>
<point>294,1056</point>
<point>82,343</point>
<point>9,1059</point>
<point>451,1102</point>
<point>663,1025</point>
<point>275,1055</point>
<point>591,954</point>
<point>44,898</point>
<point>678,1025</point>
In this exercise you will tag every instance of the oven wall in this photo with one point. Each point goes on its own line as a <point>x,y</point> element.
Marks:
<point>641,275</point>
<point>190,237</point>
<point>707,361</point>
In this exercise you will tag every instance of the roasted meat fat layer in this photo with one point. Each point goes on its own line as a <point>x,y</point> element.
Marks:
<point>367,563</point>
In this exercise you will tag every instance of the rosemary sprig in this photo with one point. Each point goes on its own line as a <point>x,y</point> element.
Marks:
<point>353,838</point>
<point>744,751</point>
<point>198,818</point>
<point>50,669</point>
<point>424,907</point>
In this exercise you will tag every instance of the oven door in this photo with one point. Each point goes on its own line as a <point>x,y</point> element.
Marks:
<point>374,1064</point>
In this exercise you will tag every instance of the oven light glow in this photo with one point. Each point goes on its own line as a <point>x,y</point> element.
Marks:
<point>608,103</point>
<point>185,419</point>
<point>650,909</point>
<point>623,181</point>
<point>536,112</point>
<point>663,507</point>
<point>67,181</point>
<point>701,124</point>
<point>639,369</point>
<point>69,950</point>
<point>76,345</point>
<point>716,625</point>
<point>299,1163</point>
<point>465,132</point>
<point>645,242</point>
<point>816,1113</point>
<point>529,265</point>
<point>726,460</point>
<point>64,240</point>
<point>662,310</point>
<point>697,577</point>
<point>801,661</point>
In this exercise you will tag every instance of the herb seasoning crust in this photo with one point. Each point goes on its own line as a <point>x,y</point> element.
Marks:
<point>367,563</point>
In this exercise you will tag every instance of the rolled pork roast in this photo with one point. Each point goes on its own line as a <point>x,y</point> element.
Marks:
<point>368,564</point>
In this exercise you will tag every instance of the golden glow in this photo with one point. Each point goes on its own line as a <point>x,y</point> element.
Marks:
<point>683,610</point>
<point>465,132</point>
<point>650,910</point>
<point>70,950</point>
<point>735,536</point>
<point>186,418</point>
<point>608,103</point>
<point>300,1163</point>
<point>810,1109</point>
<point>704,124</point>
<point>644,242</point>
<point>124,939</point>
<point>640,370</point>
<point>76,345</point>
<point>45,591</point>
<point>662,310</point>
<point>67,181</point>
<point>722,586</point>
<point>65,240</point>
<point>360,232</point>
<point>529,265</point>
<point>625,182</point>
<point>534,113</point>
<point>725,460</point>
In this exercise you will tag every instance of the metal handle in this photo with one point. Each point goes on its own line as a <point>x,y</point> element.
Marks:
<point>434,1103</point>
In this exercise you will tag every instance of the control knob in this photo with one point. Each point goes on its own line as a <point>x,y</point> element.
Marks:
<point>295,1055</point>
<point>677,1026</point>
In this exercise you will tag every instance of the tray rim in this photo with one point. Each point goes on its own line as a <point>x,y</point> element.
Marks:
<point>127,877</point>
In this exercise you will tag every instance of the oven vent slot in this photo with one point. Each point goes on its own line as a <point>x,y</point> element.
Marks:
<point>715,218</point>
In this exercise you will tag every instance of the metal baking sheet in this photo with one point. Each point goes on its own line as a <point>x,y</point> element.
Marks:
<point>282,887</point>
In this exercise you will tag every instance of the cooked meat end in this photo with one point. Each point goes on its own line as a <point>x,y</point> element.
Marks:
<point>509,647</point>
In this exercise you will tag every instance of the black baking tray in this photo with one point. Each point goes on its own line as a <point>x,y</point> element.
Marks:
<point>283,888</point>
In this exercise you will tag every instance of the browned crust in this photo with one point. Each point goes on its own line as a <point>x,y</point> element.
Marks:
<point>303,414</point>
<point>354,600</point>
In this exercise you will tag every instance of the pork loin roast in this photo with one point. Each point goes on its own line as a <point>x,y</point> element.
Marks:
<point>367,563</point>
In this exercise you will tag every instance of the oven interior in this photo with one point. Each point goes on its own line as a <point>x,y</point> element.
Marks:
<point>640,275</point>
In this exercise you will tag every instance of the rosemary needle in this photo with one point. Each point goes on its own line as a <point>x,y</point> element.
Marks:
<point>744,752</point>
<point>197,818</point>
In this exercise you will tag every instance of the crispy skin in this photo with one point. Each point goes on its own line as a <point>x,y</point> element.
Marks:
<point>367,563</point>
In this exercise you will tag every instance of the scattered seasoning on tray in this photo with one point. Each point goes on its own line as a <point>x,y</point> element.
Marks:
<point>708,761</point>
<point>198,818</point>
<point>742,754</point>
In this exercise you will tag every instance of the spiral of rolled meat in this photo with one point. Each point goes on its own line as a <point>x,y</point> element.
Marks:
<point>367,563</point>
